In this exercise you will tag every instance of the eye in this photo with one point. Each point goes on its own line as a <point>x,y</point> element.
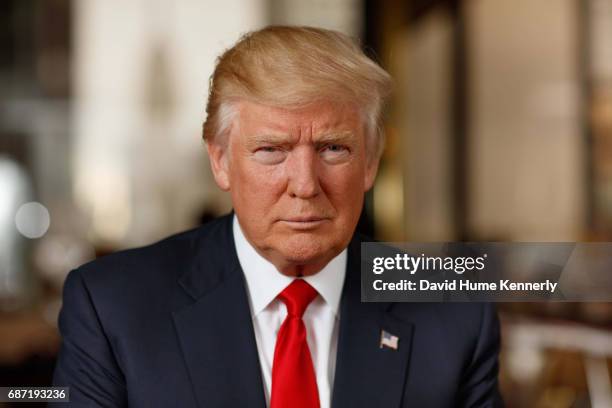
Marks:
<point>335,148</point>
<point>335,153</point>
<point>269,154</point>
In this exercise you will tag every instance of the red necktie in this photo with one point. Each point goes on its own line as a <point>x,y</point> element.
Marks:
<point>294,384</point>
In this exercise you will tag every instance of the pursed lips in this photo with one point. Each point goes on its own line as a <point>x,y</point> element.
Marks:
<point>304,222</point>
<point>302,218</point>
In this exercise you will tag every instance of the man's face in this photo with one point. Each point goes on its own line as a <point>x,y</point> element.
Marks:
<point>297,180</point>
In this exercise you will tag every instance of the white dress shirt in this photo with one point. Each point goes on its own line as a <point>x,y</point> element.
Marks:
<point>264,283</point>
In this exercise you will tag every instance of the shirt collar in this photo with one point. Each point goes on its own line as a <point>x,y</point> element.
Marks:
<point>265,282</point>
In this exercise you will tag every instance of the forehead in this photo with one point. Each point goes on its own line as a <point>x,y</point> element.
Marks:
<point>317,118</point>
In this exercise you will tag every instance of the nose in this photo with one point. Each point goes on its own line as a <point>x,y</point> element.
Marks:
<point>303,177</point>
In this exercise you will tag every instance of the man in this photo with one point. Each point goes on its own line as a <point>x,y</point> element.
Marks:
<point>262,307</point>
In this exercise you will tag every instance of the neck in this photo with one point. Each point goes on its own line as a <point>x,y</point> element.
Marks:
<point>297,269</point>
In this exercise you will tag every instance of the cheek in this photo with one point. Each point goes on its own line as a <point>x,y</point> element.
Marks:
<point>344,186</point>
<point>256,185</point>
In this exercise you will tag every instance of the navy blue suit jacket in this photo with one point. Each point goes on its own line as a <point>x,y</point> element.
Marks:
<point>169,325</point>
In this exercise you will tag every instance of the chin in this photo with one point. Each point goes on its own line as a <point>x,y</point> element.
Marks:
<point>304,249</point>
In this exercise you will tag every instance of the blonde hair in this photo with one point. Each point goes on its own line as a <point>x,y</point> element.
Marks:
<point>293,67</point>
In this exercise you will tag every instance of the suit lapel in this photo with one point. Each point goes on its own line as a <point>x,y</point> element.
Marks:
<point>216,331</point>
<point>367,375</point>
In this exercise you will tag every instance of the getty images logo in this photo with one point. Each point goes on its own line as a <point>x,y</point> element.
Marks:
<point>412,264</point>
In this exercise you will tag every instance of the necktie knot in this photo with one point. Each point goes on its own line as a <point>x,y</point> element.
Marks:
<point>297,296</point>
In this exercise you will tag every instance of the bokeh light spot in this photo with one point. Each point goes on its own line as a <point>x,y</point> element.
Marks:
<point>32,220</point>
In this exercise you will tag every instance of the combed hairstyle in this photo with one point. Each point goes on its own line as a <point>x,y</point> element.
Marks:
<point>293,67</point>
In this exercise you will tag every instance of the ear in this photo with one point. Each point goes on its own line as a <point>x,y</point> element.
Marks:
<point>219,163</point>
<point>370,173</point>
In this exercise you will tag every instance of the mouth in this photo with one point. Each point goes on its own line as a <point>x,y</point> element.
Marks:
<point>304,223</point>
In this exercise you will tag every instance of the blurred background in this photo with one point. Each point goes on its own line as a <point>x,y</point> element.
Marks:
<point>500,130</point>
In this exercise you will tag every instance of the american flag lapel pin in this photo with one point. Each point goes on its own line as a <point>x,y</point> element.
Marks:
<point>388,340</point>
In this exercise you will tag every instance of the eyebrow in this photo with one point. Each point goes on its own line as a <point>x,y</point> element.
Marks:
<point>342,137</point>
<point>270,138</point>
